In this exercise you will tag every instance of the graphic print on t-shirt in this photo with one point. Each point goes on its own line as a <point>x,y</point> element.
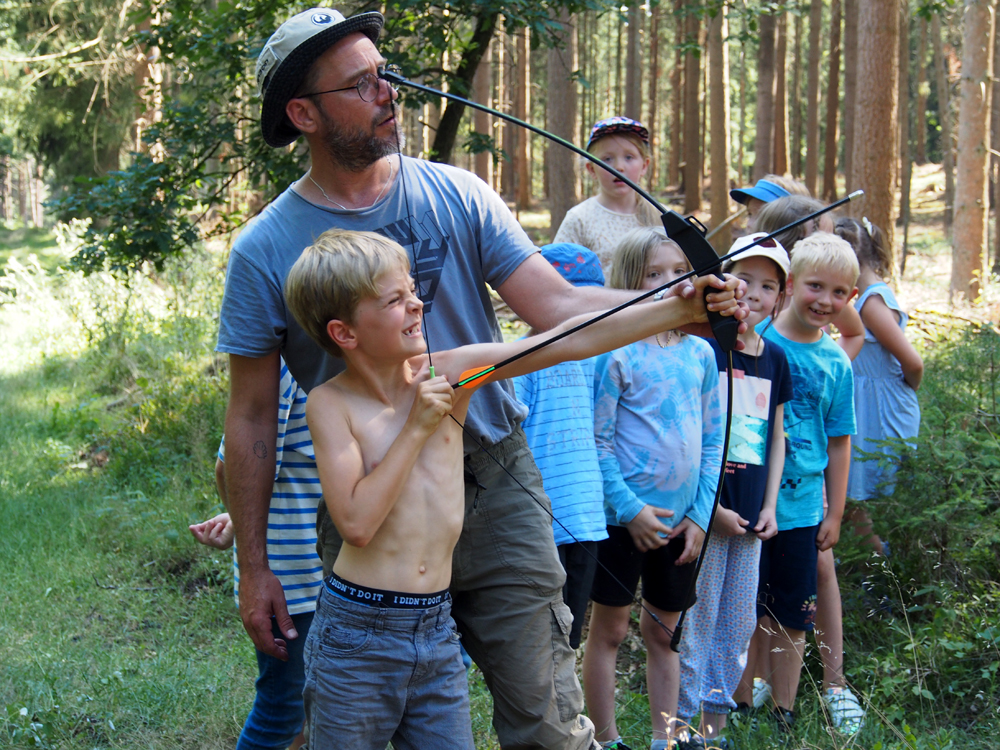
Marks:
<point>428,250</point>
<point>748,440</point>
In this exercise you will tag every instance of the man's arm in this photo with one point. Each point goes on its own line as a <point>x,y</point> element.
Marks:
<point>543,299</point>
<point>838,465</point>
<point>251,434</point>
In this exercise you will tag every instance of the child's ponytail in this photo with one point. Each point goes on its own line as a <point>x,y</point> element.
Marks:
<point>869,245</point>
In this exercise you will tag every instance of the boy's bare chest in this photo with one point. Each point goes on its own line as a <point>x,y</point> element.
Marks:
<point>376,428</point>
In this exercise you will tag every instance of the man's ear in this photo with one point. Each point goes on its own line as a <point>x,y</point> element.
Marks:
<point>341,334</point>
<point>303,114</point>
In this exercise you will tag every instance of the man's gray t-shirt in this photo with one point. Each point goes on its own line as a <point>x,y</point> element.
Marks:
<point>462,235</point>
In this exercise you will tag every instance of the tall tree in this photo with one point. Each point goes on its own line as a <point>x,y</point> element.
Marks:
<point>718,57</point>
<point>522,106</point>
<point>677,96</point>
<point>905,162</point>
<point>692,114</point>
<point>654,80</point>
<point>969,253</point>
<point>850,88</point>
<point>920,114</point>
<point>633,71</point>
<point>796,108</point>
<point>482,86</point>
<point>832,106</point>
<point>763,159</point>
<point>812,94</point>
<point>564,190</point>
<point>875,149</point>
<point>781,95</point>
<point>944,115</point>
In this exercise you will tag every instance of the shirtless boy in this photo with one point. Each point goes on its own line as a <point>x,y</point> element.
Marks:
<point>382,657</point>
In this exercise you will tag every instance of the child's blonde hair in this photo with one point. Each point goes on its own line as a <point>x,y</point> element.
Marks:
<point>628,265</point>
<point>334,274</point>
<point>778,213</point>
<point>869,245</point>
<point>826,253</point>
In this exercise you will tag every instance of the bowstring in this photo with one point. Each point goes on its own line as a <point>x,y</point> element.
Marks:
<point>424,328</point>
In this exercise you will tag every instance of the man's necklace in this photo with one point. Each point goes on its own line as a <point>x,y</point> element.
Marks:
<point>341,205</point>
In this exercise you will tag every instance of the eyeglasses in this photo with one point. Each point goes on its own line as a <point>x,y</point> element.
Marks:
<point>367,86</point>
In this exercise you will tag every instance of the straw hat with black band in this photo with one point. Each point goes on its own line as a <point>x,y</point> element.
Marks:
<point>289,54</point>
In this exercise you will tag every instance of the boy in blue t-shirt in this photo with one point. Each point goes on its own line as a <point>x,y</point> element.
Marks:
<point>819,421</point>
<point>560,432</point>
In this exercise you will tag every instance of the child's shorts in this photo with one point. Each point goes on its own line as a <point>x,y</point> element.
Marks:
<point>788,580</point>
<point>664,584</point>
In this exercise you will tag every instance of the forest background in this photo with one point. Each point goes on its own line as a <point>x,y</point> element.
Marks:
<point>130,155</point>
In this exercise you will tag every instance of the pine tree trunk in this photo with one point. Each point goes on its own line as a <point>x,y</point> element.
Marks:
<point>944,117</point>
<point>906,163</point>
<point>740,165</point>
<point>676,99</point>
<point>482,87</point>
<point>781,95</point>
<point>994,142</point>
<point>796,102</point>
<point>564,192</point>
<point>850,89</point>
<point>920,115</point>
<point>812,95</point>
<point>875,134</point>
<point>969,256</point>
<point>505,102</point>
<point>903,116</point>
<point>764,140</point>
<point>692,118</point>
<point>718,30</point>
<point>633,72</point>
<point>522,106</point>
<point>654,78</point>
<point>832,107</point>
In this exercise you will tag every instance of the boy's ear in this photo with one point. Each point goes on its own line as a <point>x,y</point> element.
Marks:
<point>341,334</point>
<point>853,294</point>
<point>589,166</point>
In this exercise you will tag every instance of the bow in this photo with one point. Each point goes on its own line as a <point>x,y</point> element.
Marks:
<point>689,234</point>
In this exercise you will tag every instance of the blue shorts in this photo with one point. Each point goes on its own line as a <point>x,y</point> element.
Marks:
<point>377,674</point>
<point>665,585</point>
<point>788,579</point>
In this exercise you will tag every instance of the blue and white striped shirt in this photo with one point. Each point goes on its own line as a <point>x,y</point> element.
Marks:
<point>291,520</point>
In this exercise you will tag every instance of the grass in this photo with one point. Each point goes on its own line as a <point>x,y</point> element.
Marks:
<point>118,631</point>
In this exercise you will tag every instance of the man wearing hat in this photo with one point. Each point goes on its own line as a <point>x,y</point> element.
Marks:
<point>318,78</point>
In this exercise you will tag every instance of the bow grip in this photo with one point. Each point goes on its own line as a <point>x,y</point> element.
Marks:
<point>689,235</point>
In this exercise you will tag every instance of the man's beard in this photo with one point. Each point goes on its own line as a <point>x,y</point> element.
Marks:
<point>357,150</point>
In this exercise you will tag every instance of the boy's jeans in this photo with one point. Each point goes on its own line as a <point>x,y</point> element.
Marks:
<point>375,675</point>
<point>277,713</point>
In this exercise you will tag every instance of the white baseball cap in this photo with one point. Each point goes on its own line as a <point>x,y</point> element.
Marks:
<point>769,248</point>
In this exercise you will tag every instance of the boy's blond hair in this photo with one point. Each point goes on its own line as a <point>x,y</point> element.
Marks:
<point>632,256</point>
<point>827,253</point>
<point>334,274</point>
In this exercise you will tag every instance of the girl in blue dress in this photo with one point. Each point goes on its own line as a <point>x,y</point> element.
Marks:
<point>887,374</point>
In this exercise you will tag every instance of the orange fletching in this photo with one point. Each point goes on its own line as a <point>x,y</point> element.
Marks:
<point>469,377</point>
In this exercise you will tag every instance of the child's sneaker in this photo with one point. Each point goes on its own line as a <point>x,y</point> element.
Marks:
<point>761,692</point>
<point>845,709</point>
<point>715,743</point>
<point>615,745</point>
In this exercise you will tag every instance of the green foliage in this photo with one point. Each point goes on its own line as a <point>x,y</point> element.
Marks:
<point>209,170</point>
